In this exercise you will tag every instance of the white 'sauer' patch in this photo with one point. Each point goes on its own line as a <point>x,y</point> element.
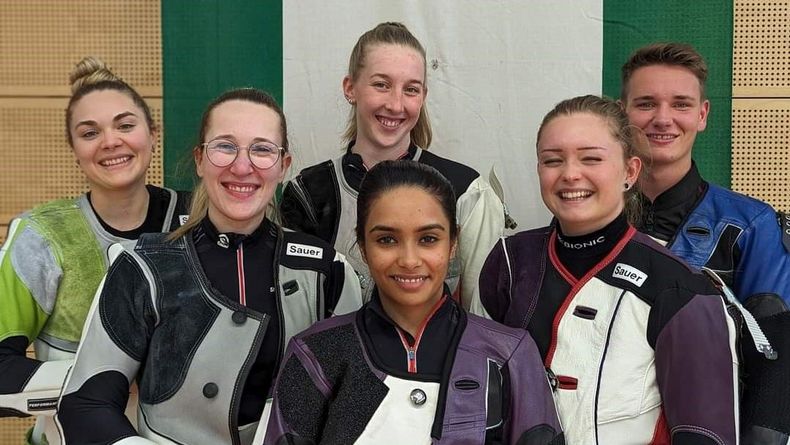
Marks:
<point>182,219</point>
<point>629,273</point>
<point>293,249</point>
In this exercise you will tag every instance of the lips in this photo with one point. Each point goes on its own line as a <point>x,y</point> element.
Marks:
<point>240,189</point>
<point>112,162</point>
<point>389,122</point>
<point>661,138</point>
<point>575,195</point>
<point>410,282</point>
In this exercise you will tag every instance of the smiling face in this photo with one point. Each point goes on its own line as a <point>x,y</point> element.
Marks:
<point>239,193</point>
<point>583,172</point>
<point>111,140</point>
<point>665,101</point>
<point>389,92</point>
<point>407,247</point>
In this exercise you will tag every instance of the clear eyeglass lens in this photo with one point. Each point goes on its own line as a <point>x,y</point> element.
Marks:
<point>263,155</point>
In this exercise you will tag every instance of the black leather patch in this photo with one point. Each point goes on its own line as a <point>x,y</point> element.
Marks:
<point>585,312</point>
<point>302,405</point>
<point>495,397</point>
<point>540,434</point>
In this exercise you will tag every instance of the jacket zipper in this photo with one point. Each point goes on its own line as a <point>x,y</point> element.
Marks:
<point>240,272</point>
<point>411,350</point>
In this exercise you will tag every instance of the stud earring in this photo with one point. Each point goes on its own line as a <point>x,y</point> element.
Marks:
<point>627,186</point>
<point>350,100</point>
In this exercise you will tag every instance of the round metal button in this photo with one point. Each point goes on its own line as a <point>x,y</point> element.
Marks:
<point>418,397</point>
<point>239,317</point>
<point>210,390</point>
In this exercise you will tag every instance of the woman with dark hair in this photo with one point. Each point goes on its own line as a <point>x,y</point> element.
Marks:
<point>411,366</point>
<point>199,318</point>
<point>640,349</point>
<point>386,87</point>
<point>55,255</point>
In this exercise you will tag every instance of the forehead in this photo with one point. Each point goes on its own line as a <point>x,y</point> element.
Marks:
<point>406,207</point>
<point>103,104</point>
<point>243,118</point>
<point>394,60</point>
<point>577,130</point>
<point>663,80</point>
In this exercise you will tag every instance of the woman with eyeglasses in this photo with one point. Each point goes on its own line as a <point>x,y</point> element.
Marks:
<point>55,255</point>
<point>386,87</point>
<point>199,318</point>
<point>411,366</point>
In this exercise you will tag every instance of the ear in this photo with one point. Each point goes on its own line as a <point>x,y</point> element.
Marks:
<point>285,165</point>
<point>197,152</point>
<point>454,247</point>
<point>154,139</point>
<point>348,89</point>
<point>363,254</point>
<point>633,166</point>
<point>704,109</point>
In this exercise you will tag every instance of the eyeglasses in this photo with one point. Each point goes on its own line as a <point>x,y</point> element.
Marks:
<point>263,155</point>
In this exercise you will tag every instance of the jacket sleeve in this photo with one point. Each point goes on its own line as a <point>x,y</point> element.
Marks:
<point>495,281</point>
<point>764,260</point>
<point>481,218</point>
<point>341,288</point>
<point>29,278</point>
<point>696,367</point>
<point>532,417</point>
<point>301,399</point>
<point>295,215</point>
<point>113,345</point>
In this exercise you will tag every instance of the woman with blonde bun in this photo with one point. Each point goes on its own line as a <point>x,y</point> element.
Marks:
<point>55,255</point>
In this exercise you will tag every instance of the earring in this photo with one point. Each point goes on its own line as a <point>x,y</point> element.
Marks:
<point>350,100</point>
<point>627,186</point>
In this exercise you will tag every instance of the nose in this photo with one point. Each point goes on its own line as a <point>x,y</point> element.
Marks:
<point>409,256</point>
<point>242,165</point>
<point>395,102</point>
<point>110,140</point>
<point>662,118</point>
<point>571,171</point>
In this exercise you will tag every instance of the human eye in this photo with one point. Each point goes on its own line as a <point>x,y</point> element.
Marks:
<point>429,239</point>
<point>223,146</point>
<point>591,159</point>
<point>263,149</point>
<point>413,90</point>
<point>88,133</point>
<point>682,105</point>
<point>127,126</point>
<point>385,240</point>
<point>551,162</point>
<point>645,105</point>
<point>380,85</point>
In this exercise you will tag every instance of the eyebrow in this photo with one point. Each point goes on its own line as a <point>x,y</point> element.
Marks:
<point>591,147</point>
<point>381,228</point>
<point>386,77</point>
<point>676,97</point>
<point>117,117</point>
<point>230,137</point>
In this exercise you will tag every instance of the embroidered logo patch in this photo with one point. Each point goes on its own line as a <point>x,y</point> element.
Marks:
<point>293,249</point>
<point>629,273</point>
<point>182,219</point>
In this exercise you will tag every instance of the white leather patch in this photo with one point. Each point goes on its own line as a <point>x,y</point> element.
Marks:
<point>303,250</point>
<point>629,273</point>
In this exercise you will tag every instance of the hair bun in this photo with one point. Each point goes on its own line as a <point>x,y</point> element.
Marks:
<point>88,71</point>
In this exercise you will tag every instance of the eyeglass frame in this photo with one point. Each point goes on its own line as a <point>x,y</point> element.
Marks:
<point>280,152</point>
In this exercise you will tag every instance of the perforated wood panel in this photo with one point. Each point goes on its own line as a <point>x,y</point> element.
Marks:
<point>36,163</point>
<point>761,150</point>
<point>41,40</point>
<point>761,48</point>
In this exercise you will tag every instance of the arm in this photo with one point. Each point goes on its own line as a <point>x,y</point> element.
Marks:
<point>495,282</point>
<point>114,343</point>
<point>764,259</point>
<point>301,399</point>
<point>696,367</point>
<point>532,417</point>
<point>29,278</point>
<point>481,218</point>
<point>342,293</point>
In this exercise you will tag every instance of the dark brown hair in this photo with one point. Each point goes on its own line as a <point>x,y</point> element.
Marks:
<point>670,54</point>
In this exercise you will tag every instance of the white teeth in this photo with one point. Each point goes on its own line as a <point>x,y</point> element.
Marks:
<point>114,161</point>
<point>662,136</point>
<point>240,188</point>
<point>576,195</point>
<point>409,280</point>
<point>389,123</point>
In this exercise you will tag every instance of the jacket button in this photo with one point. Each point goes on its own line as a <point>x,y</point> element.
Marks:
<point>210,390</point>
<point>418,397</point>
<point>239,317</point>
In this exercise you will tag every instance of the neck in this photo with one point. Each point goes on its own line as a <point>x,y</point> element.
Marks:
<point>409,318</point>
<point>121,209</point>
<point>372,155</point>
<point>662,177</point>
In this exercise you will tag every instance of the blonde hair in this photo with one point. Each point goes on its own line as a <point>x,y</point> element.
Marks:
<point>388,33</point>
<point>630,137</point>
<point>670,54</point>
<point>91,74</point>
<point>200,202</point>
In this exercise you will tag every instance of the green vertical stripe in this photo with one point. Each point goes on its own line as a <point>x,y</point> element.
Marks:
<point>706,24</point>
<point>210,46</point>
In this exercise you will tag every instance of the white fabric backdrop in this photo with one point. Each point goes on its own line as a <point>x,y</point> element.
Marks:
<point>494,69</point>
